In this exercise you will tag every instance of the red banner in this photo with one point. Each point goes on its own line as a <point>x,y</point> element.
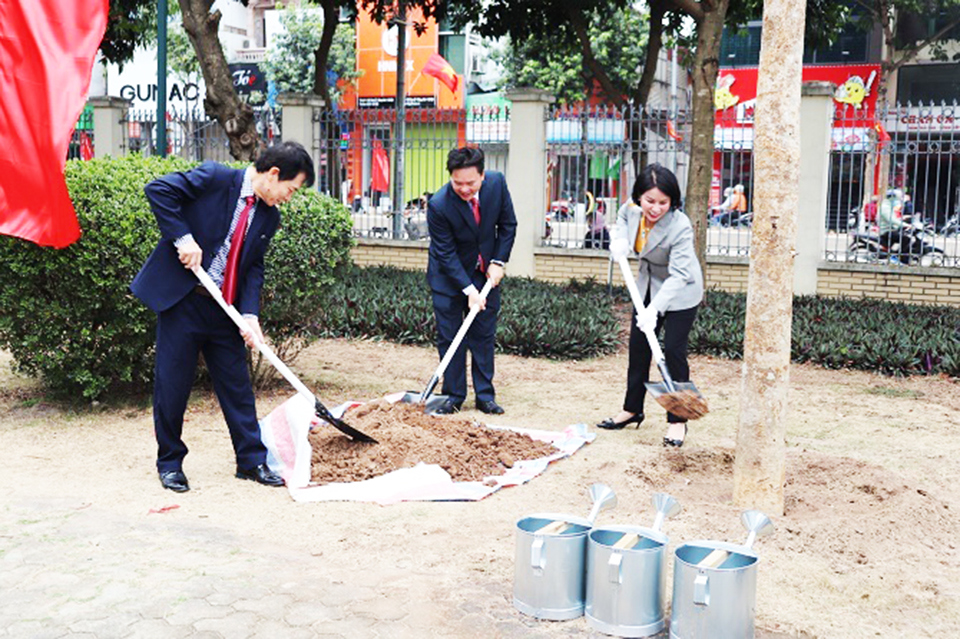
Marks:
<point>47,49</point>
<point>381,168</point>
<point>735,95</point>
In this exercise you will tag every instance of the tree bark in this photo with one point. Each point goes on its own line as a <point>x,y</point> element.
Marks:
<point>221,100</point>
<point>759,469</point>
<point>705,66</point>
<point>321,57</point>
<point>579,25</point>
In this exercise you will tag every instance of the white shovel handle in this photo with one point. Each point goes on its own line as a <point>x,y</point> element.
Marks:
<point>244,327</point>
<point>467,321</point>
<point>638,303</point>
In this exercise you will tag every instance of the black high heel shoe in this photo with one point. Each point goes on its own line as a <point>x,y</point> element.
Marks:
<point>609,424</point>
<point>667,441</point>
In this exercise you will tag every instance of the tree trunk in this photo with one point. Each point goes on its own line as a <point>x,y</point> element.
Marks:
<point>330,132</point>
<point>642,93</point>
<point>758,472</point>
<point>221,100</point>
<point>321,57</point>
<point>705,67</point>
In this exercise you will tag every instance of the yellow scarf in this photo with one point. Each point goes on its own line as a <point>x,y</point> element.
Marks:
<point>642,233</point>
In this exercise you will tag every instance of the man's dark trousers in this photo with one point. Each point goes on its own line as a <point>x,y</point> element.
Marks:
<point>449,312</point>
<point>197,324</point>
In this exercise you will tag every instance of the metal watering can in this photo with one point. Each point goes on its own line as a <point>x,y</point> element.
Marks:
<point>551,549</point>
<point>715,585</point>
<point>626,581</point>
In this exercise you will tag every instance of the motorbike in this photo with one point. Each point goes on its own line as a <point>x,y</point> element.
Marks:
<point>951,227</point>
<point>909,246</point>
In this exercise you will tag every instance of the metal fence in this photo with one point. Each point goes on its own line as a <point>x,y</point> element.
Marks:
<point>911,153</point>
<point>82,140</point>
<point>358,151</point>
<point>191,134</point>
<point>590,154</point>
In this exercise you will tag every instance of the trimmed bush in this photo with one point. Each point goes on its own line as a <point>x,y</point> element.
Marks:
<point>863,334</point>
<point>537,319</point>
<point>67,315</point>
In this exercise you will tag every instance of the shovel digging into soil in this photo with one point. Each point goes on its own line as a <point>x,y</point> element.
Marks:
<point>267,352</point>
<point>432,402</point>
<point>680,398</point>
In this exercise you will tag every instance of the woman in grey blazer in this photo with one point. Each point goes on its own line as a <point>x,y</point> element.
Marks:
<point>671,282</point>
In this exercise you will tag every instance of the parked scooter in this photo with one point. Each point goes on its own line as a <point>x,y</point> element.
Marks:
<point>908,246</point>
<point>951,227</point>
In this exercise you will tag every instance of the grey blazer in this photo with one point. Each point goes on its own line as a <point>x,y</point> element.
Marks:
<point>668,261</point>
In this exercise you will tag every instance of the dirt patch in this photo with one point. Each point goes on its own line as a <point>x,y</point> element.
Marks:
<point>406,436</point>
<point>854,519</point>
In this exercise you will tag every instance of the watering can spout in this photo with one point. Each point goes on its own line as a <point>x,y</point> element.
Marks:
<point>666,506</point>
<point>757,525</point>
<point>602,497</point>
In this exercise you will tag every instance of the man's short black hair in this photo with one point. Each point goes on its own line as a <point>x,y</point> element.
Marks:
<point>292,160</point>
<point>465,157</point>
<point>657,176</point>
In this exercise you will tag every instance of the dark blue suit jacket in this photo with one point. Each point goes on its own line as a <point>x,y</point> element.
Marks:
<point>456,240</point>
<point>202,202</point>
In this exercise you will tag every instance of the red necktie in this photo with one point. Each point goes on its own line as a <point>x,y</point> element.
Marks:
<point>229,287</point>
<point>475,207</point>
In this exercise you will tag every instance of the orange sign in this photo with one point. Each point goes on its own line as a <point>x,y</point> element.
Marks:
<point>377,58</point>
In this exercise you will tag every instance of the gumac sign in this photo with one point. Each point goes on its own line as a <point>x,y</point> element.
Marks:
<point>178,92</point>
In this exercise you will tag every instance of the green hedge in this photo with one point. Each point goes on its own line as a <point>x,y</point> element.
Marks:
<point>862,334</point>
<point>537,319</point>
<point>67,315</point>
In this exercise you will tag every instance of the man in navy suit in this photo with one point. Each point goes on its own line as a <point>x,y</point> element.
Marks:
<point>472,228</point>
<point>203,214</point>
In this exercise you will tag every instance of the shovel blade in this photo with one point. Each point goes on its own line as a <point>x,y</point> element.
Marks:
<point>685,400</point>
<point>658,389</point>
<point>433,402</point>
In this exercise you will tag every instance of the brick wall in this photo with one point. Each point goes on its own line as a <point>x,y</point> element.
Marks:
<point>914,286</point>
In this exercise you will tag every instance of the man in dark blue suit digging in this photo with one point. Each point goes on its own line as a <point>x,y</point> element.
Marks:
<point>472,229</point>
<point>220,219</point>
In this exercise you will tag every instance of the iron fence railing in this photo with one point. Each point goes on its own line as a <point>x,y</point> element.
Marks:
<point>910,153</point>
<point>191,134</point>
<point>591,153</point>
<point>358,149</point>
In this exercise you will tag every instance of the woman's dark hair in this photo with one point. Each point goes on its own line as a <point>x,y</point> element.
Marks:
<point>657,176</point>
<point>465,157</point>
<point>292,160</point>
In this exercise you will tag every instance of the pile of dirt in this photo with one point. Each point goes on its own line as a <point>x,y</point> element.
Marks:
<point>469,451</point>
<point>859,515</point>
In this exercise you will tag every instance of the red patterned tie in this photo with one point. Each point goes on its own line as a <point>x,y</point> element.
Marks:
<point>229,287</point>
<point>475,207</point>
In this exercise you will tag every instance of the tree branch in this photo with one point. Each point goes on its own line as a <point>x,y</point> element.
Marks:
<point>580,29</point>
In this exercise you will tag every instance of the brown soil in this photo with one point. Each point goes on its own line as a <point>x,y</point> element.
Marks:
<point>867,546</point>
<point>406,436</point>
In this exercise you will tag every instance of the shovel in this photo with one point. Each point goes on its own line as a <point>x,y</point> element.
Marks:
<point>267,352</point>
<point>432,403</point>
<point>680,398</point>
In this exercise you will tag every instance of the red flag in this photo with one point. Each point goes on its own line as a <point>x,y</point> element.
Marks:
<point>86,147</point>
<point>47,49</point>
<point>882,135</point>
<point>439,68</point>
<point>380,168</point>
<point>672,131</point>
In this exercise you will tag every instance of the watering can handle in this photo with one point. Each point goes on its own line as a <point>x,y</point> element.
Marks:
<point>536,553</point>
<point>615,568</point>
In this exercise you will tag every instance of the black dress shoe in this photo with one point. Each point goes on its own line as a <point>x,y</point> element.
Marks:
<point>448,407</point>
<point>174,480</point>
<point>667,441</point>
<point>609,424</point>
<point>489,407</point>
<point>261,474</point>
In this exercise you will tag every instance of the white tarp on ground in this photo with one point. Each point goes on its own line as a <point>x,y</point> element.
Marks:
<point>285,433</point>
